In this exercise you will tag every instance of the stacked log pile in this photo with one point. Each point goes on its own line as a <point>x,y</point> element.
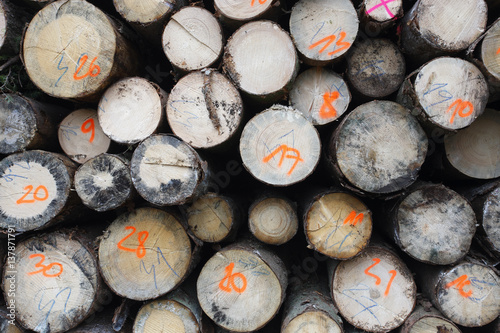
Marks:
<point>250,166</point>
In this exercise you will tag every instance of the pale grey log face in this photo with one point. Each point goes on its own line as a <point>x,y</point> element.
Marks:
<point>491,218</point>
<point>17,123</point>
<point>380,147</point>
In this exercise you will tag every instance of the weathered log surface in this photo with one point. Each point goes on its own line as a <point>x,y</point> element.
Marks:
<point>434,224</point>
<point>88,40</point>
<point>26,124</point>
<point>144,254</point>
<point>271,150</point>
<point>104,182</point>
<point>57,281</point>
<point>261,60</point>
<point>466,293</point>
<point>432,28</point>
<point>475,151</point>
<point>131,110</point>
<point>204,109</point>
<point>376,16</point>
<point>12,21</point>
<point>378,148</point>
<point>35,187</point>
<point>81,136</point>
<point>242,287</point>
<point>319,38</point>
<point>375,67</point>
<point>167,171</point>
<point>320,94</point>
<point>337,225</point>
<point>423,320</point>
<point>214,218</point>
<point>192,39</point>
<point>487,208</point>
<point>374,291</point>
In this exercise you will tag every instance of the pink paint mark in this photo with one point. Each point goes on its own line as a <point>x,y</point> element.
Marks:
<point>382,3</point>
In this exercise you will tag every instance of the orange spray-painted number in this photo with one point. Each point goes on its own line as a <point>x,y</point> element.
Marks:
<point>230,285</point>
<point>93,71</point>
<point>88,126</point>
<point>327,110</point>
<point>140,251</point>
<point>284,149</point>
<point>461,282</point>
<point>353,219</point>
<point>459,107</point>
<point>260,1</point>
<point>328,40</point>
<point>377,278</point>
<point>498,51</point>
<point>36,195</point>
<point>45,268</point>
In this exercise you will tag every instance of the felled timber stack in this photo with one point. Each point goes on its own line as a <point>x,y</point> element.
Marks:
<point>250,166</point>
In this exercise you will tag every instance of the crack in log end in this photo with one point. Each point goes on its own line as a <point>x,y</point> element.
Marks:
<point>173,162</point>
<point>443,329</point>
<point>209,102</point>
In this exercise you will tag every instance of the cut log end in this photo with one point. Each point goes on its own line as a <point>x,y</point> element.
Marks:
<point>104,183</point>
<point>145,12</point>
<point>491,216</point>
<point>424,320</point>
<point>435,225</point>
<point>377,279</point>
<point>144,254</point>
<point>165,315</point>
<point>57,282</point>
<point>204,109</point>
<point>35,187</point>
<point>166,171</point>
<point>230,282</point>
<point>338,225</point>
<point>273,220</point>
<point>131,110</point>
<point>18,125</point>
<point>270,148</point>
<point>81,136</point>
<point>261,60</point>
<point>213,218</point>
<point>242,10</point>
<point>87,39</point>
<point>490,50</point>
<point>323,30</point>
<point>376,67</point>
<point>383,11</point>
<point>447,100</point>
<point>475,151</point>
<point>371,160</point>
<point>192,39</point>
<point>468,295</point>
<point>321,95</point>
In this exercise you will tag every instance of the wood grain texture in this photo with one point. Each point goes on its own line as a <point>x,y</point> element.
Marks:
<point>81,136</point>
<point>434,224</point>
<point>36,189</point>
<point>192,39</point>
<point>144,254</point>
<point>261,60</point>
<point>377,280</point>
<point>75,32</point>
<point>320,94</point>
<point>167,171</point>
<point>273,219</point>
<point>131,110</point>
<point>57,282</point>
<point>337,225</point>
<point>424,319</point>
<point>214,218</point>
<point>474,151</point>
<point>241,288</point>
<point>204,109</point>
<point>323,30</point>
<point>104,182</point>
<point>378,148</point>
<point>272,151</point>
<point>242,11</point>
